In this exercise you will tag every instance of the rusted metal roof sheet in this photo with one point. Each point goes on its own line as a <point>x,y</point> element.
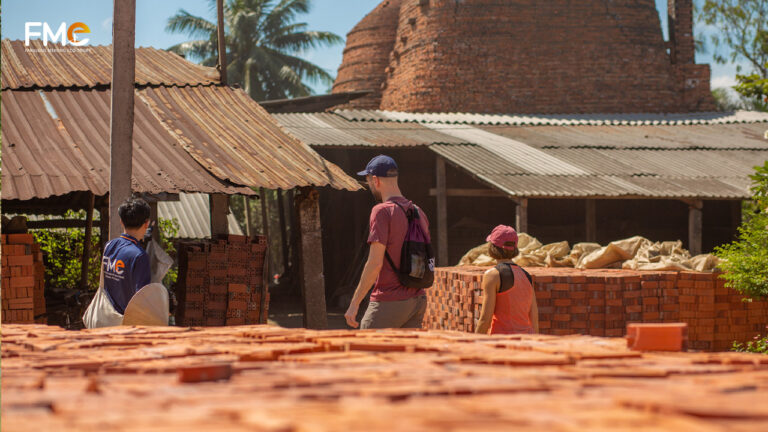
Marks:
<point>557,119</point>
<point>235,139</point>
<point>616,173</point>
<point>190,135</point>
<point>191,139</point>
<point>57,142</point>
<point>328,129</point>
<point>38,66</point>
<point>192,211</point>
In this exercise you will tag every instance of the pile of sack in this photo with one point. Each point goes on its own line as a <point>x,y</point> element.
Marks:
<point>635,253</point>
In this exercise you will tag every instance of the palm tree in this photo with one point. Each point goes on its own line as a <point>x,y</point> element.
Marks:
<point>262,43</point>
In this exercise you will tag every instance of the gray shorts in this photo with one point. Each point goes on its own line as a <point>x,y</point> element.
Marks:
<point>395,314</point>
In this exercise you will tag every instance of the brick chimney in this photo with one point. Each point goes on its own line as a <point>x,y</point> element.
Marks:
<point>680,13</point>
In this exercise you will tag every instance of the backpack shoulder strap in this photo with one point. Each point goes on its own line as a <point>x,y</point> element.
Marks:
<point>386,254</point>
<point>389,260</point>
<point>407,214</point>
<point>506,277</point>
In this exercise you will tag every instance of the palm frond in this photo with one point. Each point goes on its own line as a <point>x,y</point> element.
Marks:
<point>193,26</point>
<point>285,12</point>
<point>263,43</point>
<point>196,49</point>
<point>305,40</point>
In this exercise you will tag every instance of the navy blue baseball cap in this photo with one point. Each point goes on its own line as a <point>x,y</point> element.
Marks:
<point>380,166</point>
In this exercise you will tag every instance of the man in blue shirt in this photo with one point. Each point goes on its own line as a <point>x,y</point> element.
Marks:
<point>125,263</point>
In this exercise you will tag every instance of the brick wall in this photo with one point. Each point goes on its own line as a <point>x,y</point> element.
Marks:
<point>221,282</point>
<point>603,302</point>
<point>521,56</point>
<point>366,55</point>
<point>680,16</point>
<point>23,283</point>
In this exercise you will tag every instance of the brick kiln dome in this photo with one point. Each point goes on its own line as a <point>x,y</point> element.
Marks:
<point>525,56</point>
<point>366,55</point>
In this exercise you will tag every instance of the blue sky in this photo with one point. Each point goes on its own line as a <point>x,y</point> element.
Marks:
<point>338,16</point>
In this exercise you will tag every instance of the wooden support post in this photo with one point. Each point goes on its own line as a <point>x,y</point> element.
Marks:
<point>294,237</point>
<point>103,227</point>
<point>248,215</point>
<point>121,110</point>
<point>283,229</point>
<point>521,215</point>
<point>153,218</point>
<point>264,213</point>
<point>311,262</point>
<point>591,220</point>
<point>219,204</point>
<point>222,41</point>
<point>87,242</point>
<point>695,221</point>
<point>442,213</point>
<point>265,226</point>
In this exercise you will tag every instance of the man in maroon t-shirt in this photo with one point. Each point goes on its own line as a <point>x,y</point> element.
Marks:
<point>392,305</point>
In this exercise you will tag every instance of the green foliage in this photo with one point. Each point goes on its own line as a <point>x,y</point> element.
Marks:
<point>262,40</point>
<point>62,251</point>
<point>746,260</point>
<point>755,88</point>
<point>169,230</point>
<point>63,248</point>
<point>759,346</point>
<point>742,29</point>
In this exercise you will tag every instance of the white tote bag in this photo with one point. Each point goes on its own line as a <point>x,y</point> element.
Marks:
<point>100,312</point>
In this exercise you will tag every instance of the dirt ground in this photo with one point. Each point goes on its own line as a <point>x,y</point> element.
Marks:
<point>291,316</point>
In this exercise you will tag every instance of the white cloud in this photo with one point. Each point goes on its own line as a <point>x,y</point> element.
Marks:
<point>723,81</point>
<point>107,24</point>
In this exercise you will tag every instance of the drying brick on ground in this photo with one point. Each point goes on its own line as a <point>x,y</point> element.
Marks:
<point>262,378</point>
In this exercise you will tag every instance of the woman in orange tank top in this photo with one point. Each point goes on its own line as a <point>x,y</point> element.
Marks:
<point>509,303</point>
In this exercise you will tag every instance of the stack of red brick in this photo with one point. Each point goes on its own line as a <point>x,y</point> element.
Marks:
<point>221,282</point>
<point>603,302</point>
<point>23,279</point>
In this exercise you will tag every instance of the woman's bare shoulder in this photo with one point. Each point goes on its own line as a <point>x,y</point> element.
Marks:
<point>491,274</point>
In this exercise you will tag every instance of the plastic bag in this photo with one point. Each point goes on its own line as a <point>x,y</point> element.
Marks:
<point>100,312</point>
<point>159,261</point>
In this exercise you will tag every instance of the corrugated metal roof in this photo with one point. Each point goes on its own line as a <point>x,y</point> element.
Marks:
<point>716,136</point>
<point>638,119</point>
<point>328,129</point>
<point>235,139</point>
<point>535,160</point>
<point>56,142</point>
<point>190,135</point>
<point>616,173</point>
<point>186,139</point>
<point>710,160</point>
<point>193,213</point>
<point>684,163</point>
<point>616,187</point>
<point>38,66</point>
